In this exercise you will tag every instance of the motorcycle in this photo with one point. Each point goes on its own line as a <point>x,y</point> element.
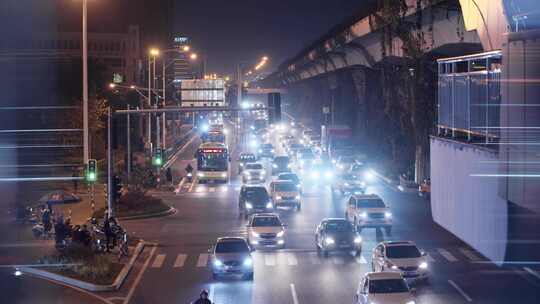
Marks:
<point>189,177</point>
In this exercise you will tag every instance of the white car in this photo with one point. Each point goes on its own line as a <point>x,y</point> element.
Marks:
<point>383,288</point>
<point>344,163</point>
<point>253,173</point>
<point>369,211</point>
<point>285,194</point>
<point>265,230</point>
<point>402,257</point>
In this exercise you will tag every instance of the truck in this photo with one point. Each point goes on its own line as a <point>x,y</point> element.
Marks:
<point>336,140</point>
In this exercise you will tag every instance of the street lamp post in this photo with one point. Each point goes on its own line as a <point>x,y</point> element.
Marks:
<point>86,147</point>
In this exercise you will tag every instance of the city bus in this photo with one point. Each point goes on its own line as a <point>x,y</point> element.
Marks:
<point>212,162</point>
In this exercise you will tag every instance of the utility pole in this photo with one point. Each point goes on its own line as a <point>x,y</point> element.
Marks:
<point>149,118</point>
<point>86,147</point>
<point>239,86</point>
<point>164,122</point>
<point>109,162</point>
<point>128,143</point>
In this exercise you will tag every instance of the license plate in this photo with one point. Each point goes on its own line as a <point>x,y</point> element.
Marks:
<point>410,273</point>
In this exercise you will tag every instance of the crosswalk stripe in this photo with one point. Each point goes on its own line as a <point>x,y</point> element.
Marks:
<point>202,261</point>
<point>291,259</point>
<point>469,254</point>
<point>158,261</point>
<point>180,260</point>
<point>338,260</point>
<point>447,255</point>
<point>269,260</point>
<point>314,258</point>
<point>361,260</point>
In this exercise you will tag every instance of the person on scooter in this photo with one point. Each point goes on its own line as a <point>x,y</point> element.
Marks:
<point>203,298</point>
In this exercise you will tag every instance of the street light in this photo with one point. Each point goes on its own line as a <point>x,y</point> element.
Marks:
<point>112,85</point>
<point>154,52</point>
<point>186,48</point>
<point>193,56</point>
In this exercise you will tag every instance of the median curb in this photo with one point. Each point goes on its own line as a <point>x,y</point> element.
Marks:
<point>167,212</point>
<point>58,278</point>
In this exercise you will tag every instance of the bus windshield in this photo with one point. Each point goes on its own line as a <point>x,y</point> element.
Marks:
<point>212,161</point>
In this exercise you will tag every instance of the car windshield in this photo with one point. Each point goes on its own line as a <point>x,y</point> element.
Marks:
<point>258,194</point>
<point>370,203</point>
<point>339,226</point>
<point>291,177</point>
<point>388,286</point>
<point>266,221</point>
<point>402,252</point>
<point>232,246</point>
<point>281,160</point>
<point>254,166</point>
<point>286,187</point>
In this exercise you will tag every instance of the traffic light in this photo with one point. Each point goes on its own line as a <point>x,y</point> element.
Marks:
<point>158,157</point>
<point>274,108</point>
<point>116,188</point>
<point>91,170</point>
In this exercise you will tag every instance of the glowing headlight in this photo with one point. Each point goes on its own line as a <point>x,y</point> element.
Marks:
<point>223,174</point>
<point>358,240</point>
<point>394,267</point>
<point>274,166</point>
<point>297,197</point>
<point>388,214</point>
<point>280,234</point>
<point>218,263</point>
<point>362,184</point>
<point>346,184</point>
<point>329,241</point>
<point>254,234</point>
<point>269,205</point>
<point>200,174</point>
<point>369,175</point>
<point>363,215</point>
<point>315,174</point>
<point>260,150</point>
<point>333,161</point>
<point>289,165</point>
<point>272,151</point>
<point>423,265</point>
<point>411,302</point>
<point>253,144</point>
<point>328,174</point>
<point>241,164</point>
<point>340,166</point>
<point>263,172</point>
<point>278,197</point>
<point>248,262</point>
<point>301,162</point>
<point>249,206</point>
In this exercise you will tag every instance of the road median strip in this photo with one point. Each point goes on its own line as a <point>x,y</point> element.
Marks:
<point>120,278</point>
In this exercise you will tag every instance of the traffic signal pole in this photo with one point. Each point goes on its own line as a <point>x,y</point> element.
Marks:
<point>128,148</point>
<point>109,163</point>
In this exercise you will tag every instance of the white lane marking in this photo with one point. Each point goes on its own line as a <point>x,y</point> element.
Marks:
<point>461,292</point>
<point>294,295</point>
<point>158,261</point>
<point>469,254</point>
<point>180,260</point>
<point>361,260</point>
<point>532,272</point>
<point>429,258</point>
<point>338,260</point>
<point>202,261</point>
<point>313,257</point>
<point>447,255</point>
<point>193,183</point>
<point>139,276</point>
<point>269,259</point>
<point>212,189</point>
<point>291,259</point>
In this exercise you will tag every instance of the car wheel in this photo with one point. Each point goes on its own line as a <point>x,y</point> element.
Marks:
<point>249,276</point>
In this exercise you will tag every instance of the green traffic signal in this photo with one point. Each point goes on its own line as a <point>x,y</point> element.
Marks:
<point>158,157</point>
<point>91,170</point>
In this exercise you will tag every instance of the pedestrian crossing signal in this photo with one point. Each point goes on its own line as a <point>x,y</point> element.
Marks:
<point>91,170</point>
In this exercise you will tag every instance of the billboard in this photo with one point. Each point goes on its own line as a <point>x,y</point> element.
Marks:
<point>202,92</point>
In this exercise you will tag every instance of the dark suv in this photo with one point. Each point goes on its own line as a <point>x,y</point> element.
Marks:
<point>254,199</point>
<point>280,164</point>
<point>245,158</point>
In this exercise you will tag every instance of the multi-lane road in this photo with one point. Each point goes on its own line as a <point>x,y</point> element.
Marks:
<point>178,267</point>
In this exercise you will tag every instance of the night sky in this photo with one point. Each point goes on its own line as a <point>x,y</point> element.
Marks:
<point>244,30</point>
